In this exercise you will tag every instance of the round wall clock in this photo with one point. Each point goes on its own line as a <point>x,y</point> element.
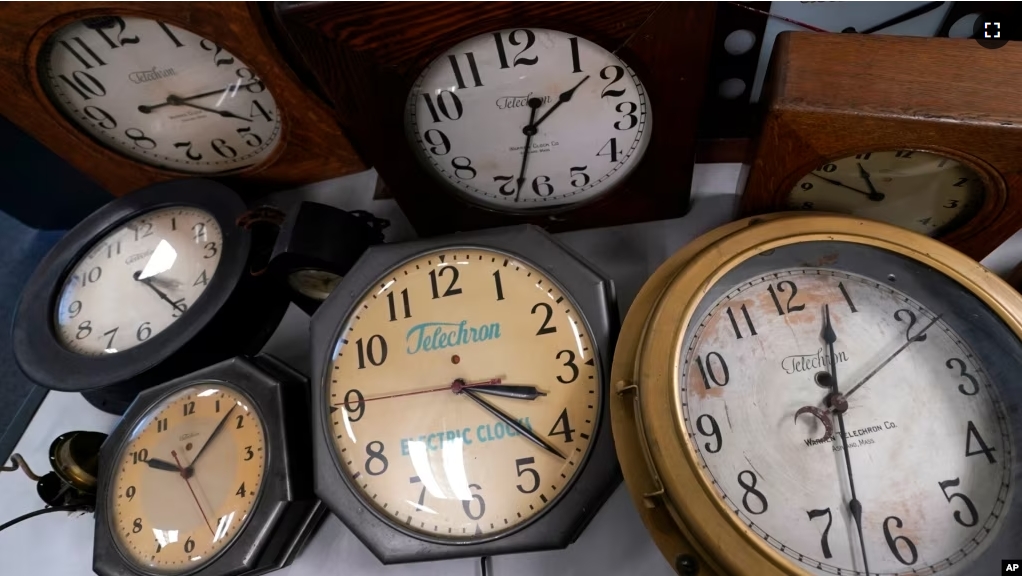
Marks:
<point>514,132</point>
<point>160,94</point>
<point>834,396</point>
<point>208,474</point>
<point>150,286</point>
<point>459,396</point>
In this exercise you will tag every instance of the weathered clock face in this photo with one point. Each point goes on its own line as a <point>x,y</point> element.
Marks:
<point>187,478</point>
<point>922,447</point>
<point>160,94</point>
<point>138,280</point>
<point>421,376</point>
<point>920,191</point>
<point>474,112</point>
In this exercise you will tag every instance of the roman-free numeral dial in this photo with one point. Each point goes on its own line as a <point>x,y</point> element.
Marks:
<point>160,94</point>
<point>137,280</point>
<point>185,481</point>
<point>915,447</point>
<point>464,394</point>
<point>528,119</point>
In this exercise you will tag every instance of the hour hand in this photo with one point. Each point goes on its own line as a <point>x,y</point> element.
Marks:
<point>162,465</point>
<point>517,391</point>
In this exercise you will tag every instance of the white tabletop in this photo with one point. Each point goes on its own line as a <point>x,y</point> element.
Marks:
<point>614,543</point>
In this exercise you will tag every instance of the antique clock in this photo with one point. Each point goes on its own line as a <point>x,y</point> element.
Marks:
<point>565,115</point>
<point>151,286</point>
<point>209,474</point>
<point>832,396</point>
<point>917,138</point>
<point>141,93</point>
<point>459,397</point>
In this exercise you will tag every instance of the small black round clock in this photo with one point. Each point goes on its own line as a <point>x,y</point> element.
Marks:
<point>209,474</point>
<point>149,287</point>
<point>459,396</point>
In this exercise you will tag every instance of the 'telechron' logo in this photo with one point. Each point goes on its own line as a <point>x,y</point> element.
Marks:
<point>430,336</point>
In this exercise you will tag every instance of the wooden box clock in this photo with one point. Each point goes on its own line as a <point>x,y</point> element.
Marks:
<point>133,94</point>
<point>923,133</point>
<point>561,114</point>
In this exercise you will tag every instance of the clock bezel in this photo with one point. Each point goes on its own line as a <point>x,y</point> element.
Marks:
<point>564,517</point>
<point>37,347</point>
<point>694,522</point>
<point>286,509</point>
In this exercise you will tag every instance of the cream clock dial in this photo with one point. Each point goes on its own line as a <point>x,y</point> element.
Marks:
<point>920,191</point>
<point>187,478</point>
<point>528,119</point>
<point>925,434</point>
<point>138,280</point>
<point>160,95</point>
<point>464,395</point>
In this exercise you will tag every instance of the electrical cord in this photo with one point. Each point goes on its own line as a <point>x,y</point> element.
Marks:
<point>33,514</point>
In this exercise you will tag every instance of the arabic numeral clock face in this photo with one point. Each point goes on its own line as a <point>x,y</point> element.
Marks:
<point>137,280</point>
<point>186,479</point>
<point>581,114</point>
<point>463,395</point>
<point>922,438</point>
<point>921,191</point>
<point>160,95</point>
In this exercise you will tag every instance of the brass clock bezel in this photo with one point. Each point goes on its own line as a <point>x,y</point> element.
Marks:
<point>674,496</point>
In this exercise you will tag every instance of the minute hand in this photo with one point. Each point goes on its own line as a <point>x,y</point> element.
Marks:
<point>886,361</point>
<point>564,97</point>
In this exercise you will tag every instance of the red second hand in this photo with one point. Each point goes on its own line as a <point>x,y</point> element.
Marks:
<point>183,475</point>
<point>454,386</point>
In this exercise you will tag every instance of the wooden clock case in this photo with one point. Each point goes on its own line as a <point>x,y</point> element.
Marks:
<point>312,147</point>
<point>834,95</point>
<point>367,56</point>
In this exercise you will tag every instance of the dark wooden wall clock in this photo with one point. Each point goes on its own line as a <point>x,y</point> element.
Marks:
<point>133,94</point>
<point>566,115</point>
<point>209,475</point>
<point>459,396</point>
<point>151,286</point>
<point>919,137</point>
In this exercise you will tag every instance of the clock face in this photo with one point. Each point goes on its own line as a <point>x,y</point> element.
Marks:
<point>186,479</point>
<point>464,395</point>
<point>160,95</point>
<point>922,445</point>
<point>138,280</point>
<point>920,191</point>
<point>580,113</point>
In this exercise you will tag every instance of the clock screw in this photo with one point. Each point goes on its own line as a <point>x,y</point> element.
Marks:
<point>824,379</point>
<point>686,564</point>
<point>188,446</point>
<point>455,359</point>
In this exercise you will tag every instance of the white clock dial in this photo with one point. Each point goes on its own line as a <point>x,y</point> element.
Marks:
<point>160,95</point>
<point>927,440</point>
<point>138,280</point>
<point>582,111</point>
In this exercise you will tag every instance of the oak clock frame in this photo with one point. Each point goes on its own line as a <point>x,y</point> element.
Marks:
<point>286,512</point>
<point>928,94</point>
<point>567,515</point>
<point>368,56</point>
<point>312,148</point>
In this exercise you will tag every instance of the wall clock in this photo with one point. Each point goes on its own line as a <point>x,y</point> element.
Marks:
<point>148,287</point>
<point>834,395</point>
<point>459,396</point>
<point>565,115</point>
<point>132,95</point>
<point>209,474</point>
<point>915,141</point>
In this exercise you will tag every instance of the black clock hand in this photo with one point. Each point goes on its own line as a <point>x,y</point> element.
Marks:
<point>162,465</point>
<point>159,292</point>
<point>512,423</point>
<point>836,183</point>
<point>148,109</point>
<point>873,194</point>
<point>829,338</point>
<point>529,130</point>
<point>517,391</point>
<point>918,11</point>
<point>224,113</point>
<point>209,440</point>
<point>564,97</point>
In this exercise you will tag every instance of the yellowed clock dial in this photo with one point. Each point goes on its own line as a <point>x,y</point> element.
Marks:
<point>187,478</point>
<point>422,352</point>
<point>921,191</point>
